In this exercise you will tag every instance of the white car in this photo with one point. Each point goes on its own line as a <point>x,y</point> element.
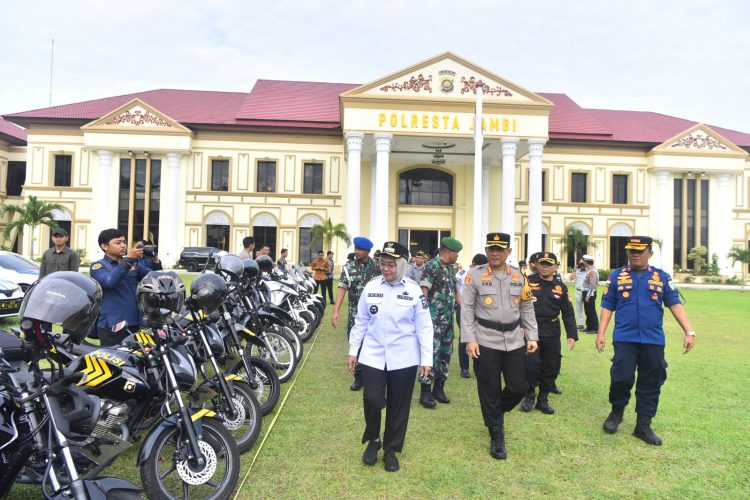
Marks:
<point>18,269</point>
<point>11,296</point>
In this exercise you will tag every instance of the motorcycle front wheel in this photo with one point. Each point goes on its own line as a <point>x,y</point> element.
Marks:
<point>165,474</point>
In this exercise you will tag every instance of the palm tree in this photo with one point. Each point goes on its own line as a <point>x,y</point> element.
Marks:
<point>575,241</point>
<point>325,233</point>
<point>738,254</point>
<point>33,213</point>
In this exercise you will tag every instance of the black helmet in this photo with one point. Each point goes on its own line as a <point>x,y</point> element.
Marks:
<point>64,298</point>
<point>207,293</point>
<point>159,294</point>
<point>230,268</point>
<point>251,269</point>
<point>265,263</point>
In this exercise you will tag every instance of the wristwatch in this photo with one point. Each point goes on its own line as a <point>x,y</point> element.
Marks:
<point>691,333</point>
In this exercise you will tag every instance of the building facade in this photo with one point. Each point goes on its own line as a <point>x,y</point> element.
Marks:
<point>392,159</point>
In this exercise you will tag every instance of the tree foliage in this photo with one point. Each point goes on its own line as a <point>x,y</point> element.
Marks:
<point>698,256</point>
<point>328,231</point>
<point>33,213</point>
<point>741,255</point>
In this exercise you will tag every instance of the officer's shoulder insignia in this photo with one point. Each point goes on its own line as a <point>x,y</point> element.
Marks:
<point>467,280</point>
<point>425,305</point>
<point>96,266</point>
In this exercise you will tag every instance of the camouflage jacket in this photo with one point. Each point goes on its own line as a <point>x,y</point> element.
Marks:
<point>440,279</point>
<point>354,277</point>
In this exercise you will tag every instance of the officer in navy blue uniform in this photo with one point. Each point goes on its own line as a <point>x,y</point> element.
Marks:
<point>637,294</point>
<point>118,273</point>
<point>552,300</point>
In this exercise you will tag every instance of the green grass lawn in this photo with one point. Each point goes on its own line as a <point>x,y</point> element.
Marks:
<point>314,450</point>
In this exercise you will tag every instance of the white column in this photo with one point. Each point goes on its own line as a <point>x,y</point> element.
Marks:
<point>380,232</point>
<point>508,145</point>
<point>536,147</point>
<point>373,185</point>
<point>720,225</point>
<point>171,206</point>
<point>105,216</point>
<point>353,169</point>
<point>663,216</point>
<point>485,200</point>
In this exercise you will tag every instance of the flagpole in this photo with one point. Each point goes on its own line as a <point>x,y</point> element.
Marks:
<point>478,201</point>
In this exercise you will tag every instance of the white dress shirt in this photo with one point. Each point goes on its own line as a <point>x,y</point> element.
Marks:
<point>392,325</point>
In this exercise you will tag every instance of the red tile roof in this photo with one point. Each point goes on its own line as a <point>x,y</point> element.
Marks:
<point>12,132</point>
<point>315,105</point>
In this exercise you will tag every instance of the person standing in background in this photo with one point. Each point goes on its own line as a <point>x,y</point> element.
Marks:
<point>588,290</point>
<point>329,277</point>
<point>248,245</point>
<point>320,270</point>
<point>577,277</point>
<point>60,257</point>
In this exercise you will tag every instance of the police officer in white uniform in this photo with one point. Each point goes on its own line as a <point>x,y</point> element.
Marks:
<point>394,330</point>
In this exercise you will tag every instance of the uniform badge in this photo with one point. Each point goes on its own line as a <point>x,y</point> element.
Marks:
<point>425,305</point>
<point>655,296</point>
<point>626,294</point>
<point>516,301</point>
<point>488,301</point>
<point>468,278</point>
<point>671,284</point>
<point>373,309</point>
<point>96,266</point>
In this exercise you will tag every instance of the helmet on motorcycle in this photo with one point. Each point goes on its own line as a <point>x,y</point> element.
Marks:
<point>265,263</point>
<point>64,298</point>
<point>230,268</point>
<point>251,270</point>
<point>207,293</point>
<point>159,294</point>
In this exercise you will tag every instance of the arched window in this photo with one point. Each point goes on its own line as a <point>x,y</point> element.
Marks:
<point>63,219</point>
<point>305,237</point>
<point>264,232</point>
<point>425,186</point>
<point>618,237</point>
<point>217,230</point>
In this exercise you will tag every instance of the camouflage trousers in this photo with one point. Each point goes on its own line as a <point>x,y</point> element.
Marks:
<point>442,348</point>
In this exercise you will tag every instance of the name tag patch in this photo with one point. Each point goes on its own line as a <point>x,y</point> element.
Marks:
<point>380,295</point>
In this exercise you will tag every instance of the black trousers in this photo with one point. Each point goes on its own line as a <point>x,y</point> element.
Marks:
<point>543,366</point>
<point>329,287</point>
<point>392,390</point>
<point>488,368</point>
<point>463,358</point>
<point>108,338</point>
<point>652,373</point>
<point>589,306</point>
<point>320,285</point>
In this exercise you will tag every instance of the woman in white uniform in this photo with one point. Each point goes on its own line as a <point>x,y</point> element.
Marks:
<point>394,329</point>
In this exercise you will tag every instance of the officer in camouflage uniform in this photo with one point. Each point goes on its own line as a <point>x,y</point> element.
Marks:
<point>439,287</point>
<point>354,276</point>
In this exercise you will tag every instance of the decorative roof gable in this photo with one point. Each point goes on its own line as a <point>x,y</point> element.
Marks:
<point>136,116</point>
<point>700,139</point>
<point>448,76</point>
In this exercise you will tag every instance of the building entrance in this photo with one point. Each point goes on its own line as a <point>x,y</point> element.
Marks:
<point>427,240</point>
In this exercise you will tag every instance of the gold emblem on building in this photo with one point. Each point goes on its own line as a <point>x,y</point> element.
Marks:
<point>446,81</point>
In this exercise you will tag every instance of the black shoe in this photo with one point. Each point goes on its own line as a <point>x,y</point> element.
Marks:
<point>644,432</point>
<point>425,398</point>
<point>556,390</point>
<point>390,462</point>
<point>370,456</point>
<point>542,404</point>
<point>528,401</point>
<point>333,303</point>
<point>357,384</point>
<point>591,331</point>
<point>497,443</point>
<point>438,391</point>
<point>614,420</point>
<point>465,373</point>
<point>581,328</point>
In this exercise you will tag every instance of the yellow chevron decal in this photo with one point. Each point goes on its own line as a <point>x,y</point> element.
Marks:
<point>249,332</point>
<point>202,413</point>
<point>106,374</point>
<point>232,376</point>
<point>89,368</point>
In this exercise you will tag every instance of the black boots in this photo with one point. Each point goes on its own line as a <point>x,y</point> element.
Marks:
<point>613,420</point>
<point>439,393</point>
<point>644,432</point>
<point>425,398</point>
<point>497,443</point>
<point>390,462</point>
<point>528,401</point>
<point>370,456</point>
<point>465,373</point>
<point>542,404</point>
<point>357,384</point>
<point>556,390</point>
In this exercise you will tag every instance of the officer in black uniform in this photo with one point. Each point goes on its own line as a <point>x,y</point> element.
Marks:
<point>552,299</point>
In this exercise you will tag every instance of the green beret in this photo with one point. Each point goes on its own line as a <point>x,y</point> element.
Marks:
<point>451,244</point>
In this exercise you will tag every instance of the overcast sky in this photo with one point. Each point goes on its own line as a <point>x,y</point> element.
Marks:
<point>684,58</point>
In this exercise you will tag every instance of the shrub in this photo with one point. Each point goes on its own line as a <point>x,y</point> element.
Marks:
<point>604,274</point>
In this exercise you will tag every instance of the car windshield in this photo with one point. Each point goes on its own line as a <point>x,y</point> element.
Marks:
<point>17,263</point>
